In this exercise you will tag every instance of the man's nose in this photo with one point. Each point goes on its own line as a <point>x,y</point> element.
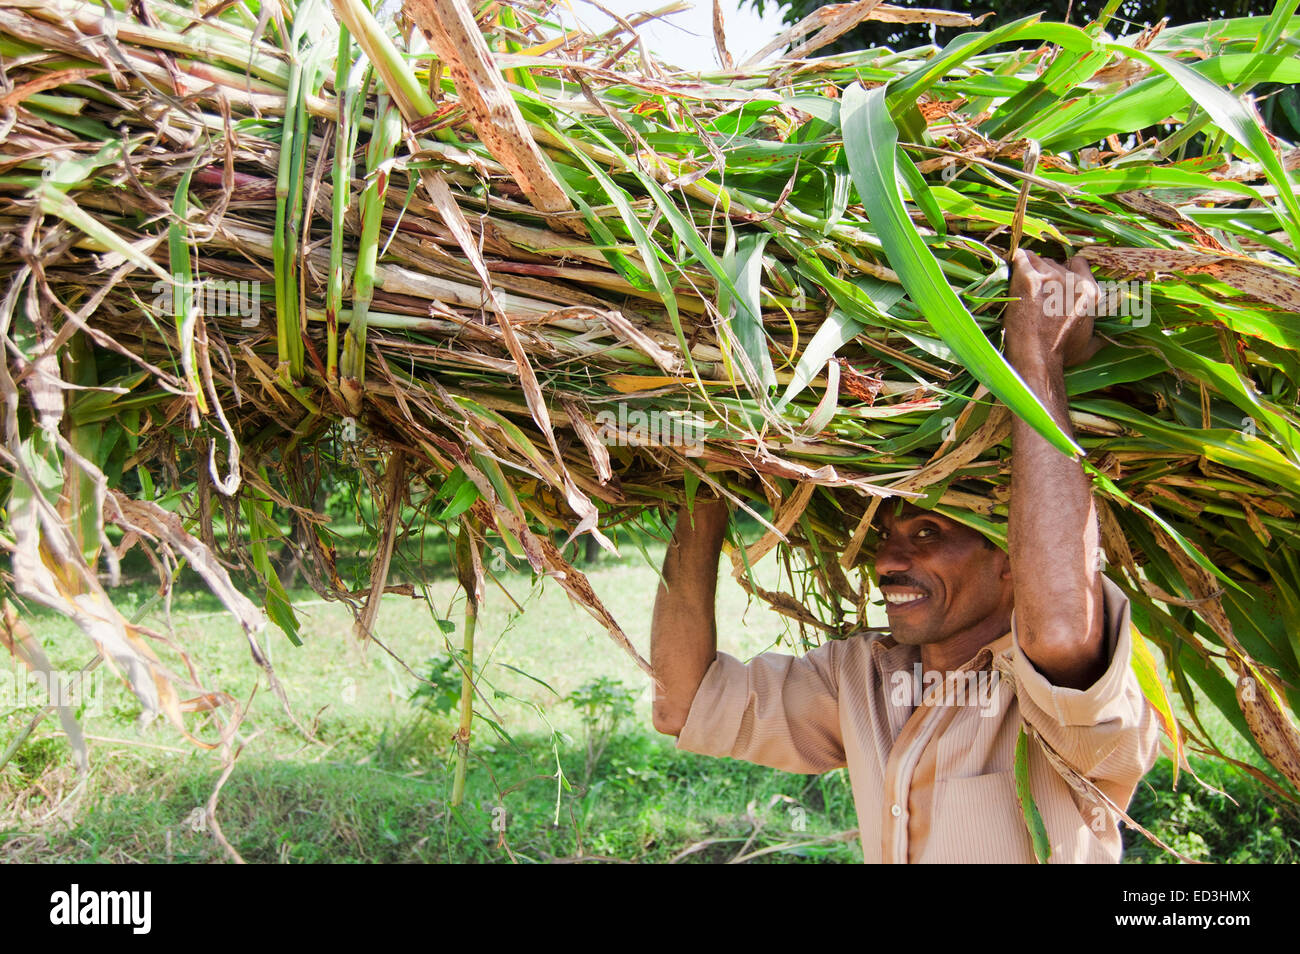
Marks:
<point>893,556</point>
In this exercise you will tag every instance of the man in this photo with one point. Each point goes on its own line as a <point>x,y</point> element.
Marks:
<point>934,782</point>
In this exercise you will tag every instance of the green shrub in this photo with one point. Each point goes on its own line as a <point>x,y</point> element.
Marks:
<point>1240,823</point>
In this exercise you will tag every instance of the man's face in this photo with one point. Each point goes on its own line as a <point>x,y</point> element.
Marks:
<point>941,580</point>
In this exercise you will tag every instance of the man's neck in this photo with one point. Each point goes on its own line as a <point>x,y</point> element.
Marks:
<point>960,648</point>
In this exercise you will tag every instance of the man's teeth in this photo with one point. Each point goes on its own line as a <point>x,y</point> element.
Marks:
<point>896,598</point>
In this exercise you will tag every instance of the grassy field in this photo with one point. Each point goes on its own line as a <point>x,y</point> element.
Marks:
<point>573,770</point>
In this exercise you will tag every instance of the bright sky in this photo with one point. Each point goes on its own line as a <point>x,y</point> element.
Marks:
<point>686,39</point>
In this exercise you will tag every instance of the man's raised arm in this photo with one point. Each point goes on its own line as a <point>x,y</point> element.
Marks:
<point>683,634</point>
<point>1053,533</point>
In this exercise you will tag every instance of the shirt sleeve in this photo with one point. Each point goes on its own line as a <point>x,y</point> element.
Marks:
<point>1106,732</point>
<point>777,710</point>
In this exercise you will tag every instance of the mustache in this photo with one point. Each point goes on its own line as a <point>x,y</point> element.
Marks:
<point>903,579</point>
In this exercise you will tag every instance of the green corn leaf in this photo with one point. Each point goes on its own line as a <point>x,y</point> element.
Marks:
<point>830,337</point>
<point>1144,177</point>
<point>183,292</point>
<point>689,235</point>
<point>1143,664</point>
<point>1099,114</point>
<point>1235,120</point>
<point>745,270</point>
<point>871,141</point>
<point>835,331</point>
<point>905,92</point>
<point>919,192</point>
<point>1033,819</point>
<point>261,529</point>
<point>462,500</point>
<point>1242,450</point>
<point>53,201</point>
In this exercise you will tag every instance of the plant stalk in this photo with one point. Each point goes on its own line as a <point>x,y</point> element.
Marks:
<point>466,698</point>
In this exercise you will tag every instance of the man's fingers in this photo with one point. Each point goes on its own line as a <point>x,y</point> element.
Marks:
<point>1086,291</point>
<point>1079,265</point>
<point>1030,261</point>
<point>1020,265</point>
<point>1028,272</point>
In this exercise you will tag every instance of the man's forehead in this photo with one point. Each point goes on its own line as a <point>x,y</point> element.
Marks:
<point>891,513</point>
<point>906,512</point>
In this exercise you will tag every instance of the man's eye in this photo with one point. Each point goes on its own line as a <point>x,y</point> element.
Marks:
<point>926,532</point>
<point>884,534</point>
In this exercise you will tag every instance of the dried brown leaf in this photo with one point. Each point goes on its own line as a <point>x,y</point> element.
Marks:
<point>454,35</point>
<point>1255,278</point>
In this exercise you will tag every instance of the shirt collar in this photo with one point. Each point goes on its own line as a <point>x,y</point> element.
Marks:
<point>996,648</point>
<point>890,655</point>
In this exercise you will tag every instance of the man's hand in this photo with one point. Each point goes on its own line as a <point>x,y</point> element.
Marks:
<point>1053,539</point>
<point>683,635</point>
<point>1052,321</point>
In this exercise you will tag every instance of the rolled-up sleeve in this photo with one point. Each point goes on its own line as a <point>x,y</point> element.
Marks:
<point>777,710</point>
<point>1106,732</point>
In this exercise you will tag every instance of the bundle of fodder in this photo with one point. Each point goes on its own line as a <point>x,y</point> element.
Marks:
<point>526,281</point>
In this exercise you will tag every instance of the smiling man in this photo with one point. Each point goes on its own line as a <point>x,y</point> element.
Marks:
<point>932,772</point>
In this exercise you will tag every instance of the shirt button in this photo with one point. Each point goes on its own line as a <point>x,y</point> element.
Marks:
<point>895,810</point>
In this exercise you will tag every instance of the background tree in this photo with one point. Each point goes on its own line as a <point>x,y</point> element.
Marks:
<point>1279,104</point>
<point>899,36</point>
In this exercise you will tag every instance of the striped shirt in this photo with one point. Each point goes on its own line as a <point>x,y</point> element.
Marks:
<point>931,762</point>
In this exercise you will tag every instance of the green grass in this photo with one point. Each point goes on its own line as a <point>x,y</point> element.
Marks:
<point>372,784</point>
<point>648,802</point>
<point>1233,820</point>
